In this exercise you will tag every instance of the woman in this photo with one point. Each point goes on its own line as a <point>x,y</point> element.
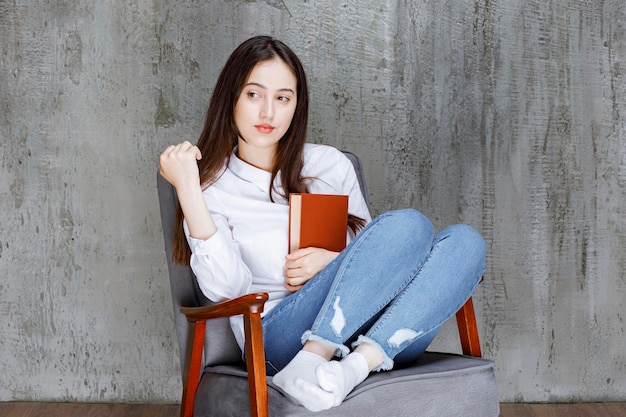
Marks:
<point>332,318</point>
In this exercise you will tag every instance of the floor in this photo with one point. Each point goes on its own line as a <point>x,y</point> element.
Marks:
<point>23,409</point>
<point>565,410</point>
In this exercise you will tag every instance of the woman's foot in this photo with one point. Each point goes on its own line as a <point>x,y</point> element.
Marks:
<point>340,377</point>
<point>298,381</point>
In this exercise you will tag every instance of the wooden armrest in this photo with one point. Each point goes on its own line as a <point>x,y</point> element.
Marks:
<point>246,304</point>
<point>251,307</point>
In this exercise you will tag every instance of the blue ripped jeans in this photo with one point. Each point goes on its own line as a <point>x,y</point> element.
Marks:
<point>394,286</point>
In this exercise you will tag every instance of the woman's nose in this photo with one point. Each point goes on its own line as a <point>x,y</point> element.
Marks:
<point>267,111</point>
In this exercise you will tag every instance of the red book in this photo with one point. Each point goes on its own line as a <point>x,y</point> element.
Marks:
<point>318,220</point>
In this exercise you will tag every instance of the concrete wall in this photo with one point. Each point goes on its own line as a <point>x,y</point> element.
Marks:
<point>505,114</point>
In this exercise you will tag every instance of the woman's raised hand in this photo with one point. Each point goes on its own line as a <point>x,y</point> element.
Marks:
<point>178,164</point>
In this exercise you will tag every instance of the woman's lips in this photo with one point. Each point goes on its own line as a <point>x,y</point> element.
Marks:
<point>264,128</point>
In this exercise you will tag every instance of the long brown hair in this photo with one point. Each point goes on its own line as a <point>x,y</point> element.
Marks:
<point>220,135</point>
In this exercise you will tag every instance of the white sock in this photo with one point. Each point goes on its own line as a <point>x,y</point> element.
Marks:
<point>298,381</point>
<point>340,377</point>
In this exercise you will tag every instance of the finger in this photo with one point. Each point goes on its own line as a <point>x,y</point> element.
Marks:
<point>167,151</point>
<point>302,272</point>
<point>182,151</point>
<point>296,262</point>
<point>291,265</point>
<point>299,253</point>
<point>197,153</point>
<point>293,288</point>
<point>172,150</point>
<point>295,281</point>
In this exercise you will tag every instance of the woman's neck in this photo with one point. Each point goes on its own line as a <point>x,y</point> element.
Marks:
<point>262,158</point>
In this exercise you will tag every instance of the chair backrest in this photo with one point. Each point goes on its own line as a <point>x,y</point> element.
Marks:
<point>184,287</point>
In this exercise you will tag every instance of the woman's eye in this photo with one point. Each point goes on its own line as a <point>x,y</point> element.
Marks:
<point>283,98</point>
<point>253,94</point>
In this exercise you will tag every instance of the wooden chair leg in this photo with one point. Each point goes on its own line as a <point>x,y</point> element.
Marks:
<point>192,368</point>
<point>255,362</point>
<point>468,329</point>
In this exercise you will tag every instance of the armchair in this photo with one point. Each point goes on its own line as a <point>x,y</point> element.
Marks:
<point>216,382</point>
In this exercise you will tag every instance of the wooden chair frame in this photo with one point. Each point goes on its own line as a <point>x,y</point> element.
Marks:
<point>251,307</point>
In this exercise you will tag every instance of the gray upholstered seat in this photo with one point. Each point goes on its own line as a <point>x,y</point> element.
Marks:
<point>437,385</point>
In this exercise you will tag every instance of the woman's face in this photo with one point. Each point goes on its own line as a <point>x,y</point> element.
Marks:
<point>264,111</point>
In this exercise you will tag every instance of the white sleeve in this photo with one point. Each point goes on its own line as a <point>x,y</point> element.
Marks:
<point>217,264</point>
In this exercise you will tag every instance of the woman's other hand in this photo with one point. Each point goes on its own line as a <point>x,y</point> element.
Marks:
<point>178,165</point>
<point>301,265</point>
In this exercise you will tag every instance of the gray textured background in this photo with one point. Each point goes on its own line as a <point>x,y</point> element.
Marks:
<point>508,115</point>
